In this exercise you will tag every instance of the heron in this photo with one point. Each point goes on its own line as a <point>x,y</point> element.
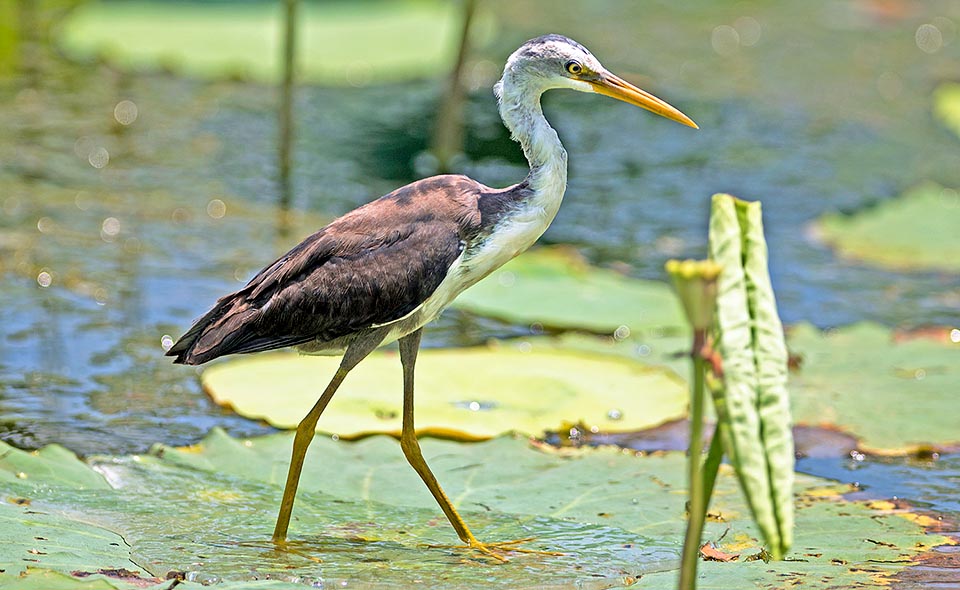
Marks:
<point>381,272</point>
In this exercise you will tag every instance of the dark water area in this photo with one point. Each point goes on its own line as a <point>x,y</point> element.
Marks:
<point>115,236</point>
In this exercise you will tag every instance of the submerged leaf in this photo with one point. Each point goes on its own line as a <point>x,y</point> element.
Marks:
<point>471,393</point>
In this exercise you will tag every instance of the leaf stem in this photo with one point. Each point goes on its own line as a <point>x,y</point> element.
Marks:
<point>697,505</point>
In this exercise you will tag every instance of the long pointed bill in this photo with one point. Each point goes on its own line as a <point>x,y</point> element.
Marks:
<point>618,88</point>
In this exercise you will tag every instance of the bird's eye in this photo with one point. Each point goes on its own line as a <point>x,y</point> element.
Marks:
<point>574,67</point>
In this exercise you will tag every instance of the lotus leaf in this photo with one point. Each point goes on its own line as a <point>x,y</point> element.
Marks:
<point>466,393</point>
<point>892,395</point>
<point>880,236</point>
<point>753,399</point>
<point>556,288</point>
<point>363,518</point>
<point>360,40</point>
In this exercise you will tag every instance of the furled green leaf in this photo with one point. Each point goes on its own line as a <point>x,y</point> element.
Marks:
<point>753,399</point>
<point>363,518</point>
<point>340,42</point>
<point>473,393</point>
<point>557,289</point>
<point>881,236</point>
<point>891,394</point>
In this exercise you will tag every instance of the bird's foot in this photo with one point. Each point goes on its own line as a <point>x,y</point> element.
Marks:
<point>500,550</point>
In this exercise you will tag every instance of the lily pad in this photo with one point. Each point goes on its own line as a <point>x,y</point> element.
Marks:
<point>339,42</point>
<point>880,235</point>
<point>892,395</point>
<point>556,288</point>
<point>471,393</point>
<point>363,518</point>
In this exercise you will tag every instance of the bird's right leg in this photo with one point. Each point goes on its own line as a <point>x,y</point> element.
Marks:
<point>306,430</point>
<point>409,346</point>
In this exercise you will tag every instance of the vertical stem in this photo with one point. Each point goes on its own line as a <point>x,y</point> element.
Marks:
<point>286,103</point>
<point>696,507</point>
<point>712,464</point>
<point>448,129</point>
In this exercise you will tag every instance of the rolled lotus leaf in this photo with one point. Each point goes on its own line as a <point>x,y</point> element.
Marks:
<point>752,397</point>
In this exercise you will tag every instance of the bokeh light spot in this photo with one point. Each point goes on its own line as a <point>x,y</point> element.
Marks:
<point>216,208</point>
<point>725,40</point>
<point>749,30</point>
<point>929,38</point>
<point>46,225</point>
<point>126,112</point>
<point>110,227</point>
<point>99,157</point>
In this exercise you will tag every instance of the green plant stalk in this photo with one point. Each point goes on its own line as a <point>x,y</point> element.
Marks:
<point>698,497</point>
<point>711,466</point>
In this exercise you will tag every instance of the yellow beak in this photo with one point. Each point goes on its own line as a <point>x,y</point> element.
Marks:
<point>616,87</point>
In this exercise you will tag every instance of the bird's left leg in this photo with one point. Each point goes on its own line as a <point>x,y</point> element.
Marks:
<point>306,430</point>
<point>409,346</point>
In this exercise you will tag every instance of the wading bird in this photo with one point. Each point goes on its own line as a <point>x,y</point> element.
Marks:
<point>384,270</point>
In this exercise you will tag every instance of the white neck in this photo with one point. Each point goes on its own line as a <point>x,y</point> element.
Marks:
<point>521,113</point>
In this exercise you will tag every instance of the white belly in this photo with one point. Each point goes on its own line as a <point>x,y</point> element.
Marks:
<point>513,236</point>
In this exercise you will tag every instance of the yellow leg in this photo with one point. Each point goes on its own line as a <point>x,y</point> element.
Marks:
<point>306,430</point>
<point>305,433</point>
<point>409,345</point>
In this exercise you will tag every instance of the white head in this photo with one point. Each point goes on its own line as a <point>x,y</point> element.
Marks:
<point>555,61</point>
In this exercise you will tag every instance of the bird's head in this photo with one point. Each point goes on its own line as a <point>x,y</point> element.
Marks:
<point>555,61</point>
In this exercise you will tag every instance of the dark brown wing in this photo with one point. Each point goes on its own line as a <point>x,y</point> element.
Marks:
<point>372,266</point>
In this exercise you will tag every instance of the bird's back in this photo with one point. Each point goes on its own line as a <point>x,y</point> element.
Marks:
<point>373,266</point>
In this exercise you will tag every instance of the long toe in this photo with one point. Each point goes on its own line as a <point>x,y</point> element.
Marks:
<point>500,551</point>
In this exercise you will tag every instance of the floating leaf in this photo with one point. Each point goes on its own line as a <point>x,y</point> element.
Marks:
<point>753,400</point>
<point>467,393</point>
<point>892,395</point>
<point>880,235</point>
<point>363,518</point>
<point>557,289</point>
<point>340,42</point>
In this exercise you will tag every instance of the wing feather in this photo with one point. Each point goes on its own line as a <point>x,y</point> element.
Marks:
<point>371,267</point>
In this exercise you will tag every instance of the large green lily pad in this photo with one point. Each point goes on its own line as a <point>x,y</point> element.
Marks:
<point>556,288</point>
<point>915,231</point>
<point>339,42</point>
<point>363,517</point>
<point>892,395</point>
<point>467,393</point>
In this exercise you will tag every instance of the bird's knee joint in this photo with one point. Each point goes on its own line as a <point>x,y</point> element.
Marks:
<point>410,446</point>
<point>305,431</point>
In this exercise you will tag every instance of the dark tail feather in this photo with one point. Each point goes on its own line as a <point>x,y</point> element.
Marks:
<point>231,327</point>
<point>208,339</point>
